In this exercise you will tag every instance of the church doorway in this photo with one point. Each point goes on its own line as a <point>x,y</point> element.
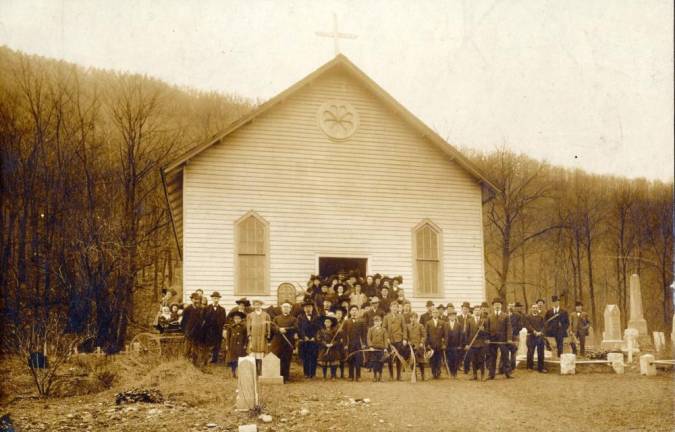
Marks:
<point>329,266</point>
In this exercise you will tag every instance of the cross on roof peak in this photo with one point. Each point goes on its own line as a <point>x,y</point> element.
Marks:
<point>336,35</point>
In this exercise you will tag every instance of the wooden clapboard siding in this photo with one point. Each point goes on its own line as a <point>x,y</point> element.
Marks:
<point>361,197</point>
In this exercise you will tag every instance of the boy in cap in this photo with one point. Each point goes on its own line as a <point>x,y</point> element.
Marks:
<point>557,321</point>
<point>417,337</point>
<point>394,324</point>
<point>377,340</point>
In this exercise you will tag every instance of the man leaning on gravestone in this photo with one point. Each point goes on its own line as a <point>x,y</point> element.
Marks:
<point>579,325</point>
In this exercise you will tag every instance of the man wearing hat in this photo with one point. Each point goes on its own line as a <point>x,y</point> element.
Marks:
<point>372,311</point>
<point>394,324</point>
<point>534,323</point>
<point>308,326</point>
<point>426,316</point>
<point>284,328</point>
<point>579,325</point>
<point>214,320</point>
<point>557,321</point>
<point>463,320</point>
<point>191,326</point>
<point>517,323</point>
<point>476,341</point>
<point>442,312</point>
<point>454,340</point>
<point>355,332</point>
<point>499,329</point>
<point>435,330</point>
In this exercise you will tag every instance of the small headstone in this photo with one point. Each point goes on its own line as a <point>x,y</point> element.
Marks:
<point>247,387</point>
<point>248,428</point>
<point>611,337</point>
<point>266,418</point>
<point>647,365</point>
<point>659,341</point>
<point>616,360</point>
<point>637,319</point>
<point>271,367</point>
<point>568,364</point>
<point>631,345</point>
<point>522,343</point>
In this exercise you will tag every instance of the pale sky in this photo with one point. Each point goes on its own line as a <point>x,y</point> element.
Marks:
<point>552,79</point>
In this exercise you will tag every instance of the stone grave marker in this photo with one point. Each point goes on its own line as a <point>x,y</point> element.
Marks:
<point>271,367</point>
<point>522,343</point>
<point>647,365</point>
<point>616,360</point>
<point>247,387</point>
<point>611,337</point>
<point>568,364</point>
<point>630,337</point>
<point>637,319</point>
<point>285,293</point>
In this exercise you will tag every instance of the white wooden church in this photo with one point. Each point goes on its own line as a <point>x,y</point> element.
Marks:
<point>333,172</point>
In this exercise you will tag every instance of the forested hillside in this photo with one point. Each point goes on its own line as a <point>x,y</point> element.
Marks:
<point>84,227</point>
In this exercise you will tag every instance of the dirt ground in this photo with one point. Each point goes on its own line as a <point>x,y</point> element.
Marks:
<point>592,400</point>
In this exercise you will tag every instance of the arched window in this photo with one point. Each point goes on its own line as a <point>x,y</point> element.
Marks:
<point>427,256</point>
<point>252,254</point>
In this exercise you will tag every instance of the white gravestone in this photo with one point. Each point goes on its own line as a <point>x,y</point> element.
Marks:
<point>631,345</point>
<point>568,364</point>
<point>522,344</point>
<point>611,337</point>
<point>616,360</point>
<point>247,385</point>
<point>647,365</point>
<point>659,341</point>
<point>637,319</point>
<point>271,367</point>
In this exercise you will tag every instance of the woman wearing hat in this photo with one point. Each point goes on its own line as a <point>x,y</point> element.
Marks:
<point>258,330</point>
<point>331,346</point>
<point>235,340</point>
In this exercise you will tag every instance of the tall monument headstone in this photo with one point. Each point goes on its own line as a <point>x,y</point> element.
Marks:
<point>637,319</point>
<point>611,337</point>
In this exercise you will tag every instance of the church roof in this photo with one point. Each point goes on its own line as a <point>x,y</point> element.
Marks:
<point>340,61</point>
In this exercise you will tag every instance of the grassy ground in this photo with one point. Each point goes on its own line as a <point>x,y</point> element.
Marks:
<point>596,399</point>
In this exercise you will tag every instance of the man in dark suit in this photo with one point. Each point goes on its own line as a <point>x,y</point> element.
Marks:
<point>534,323</point>
<point>454,341</point>
<point>435,329</point>
<point>463,320</point>
<point>308,326</point>
<point>476,341</point>
<point>191,326</point>
<point>579,325</point>
<point>557,321</point>
<point>499,329</point>
<point>355,331</point>
<point>214,321</point>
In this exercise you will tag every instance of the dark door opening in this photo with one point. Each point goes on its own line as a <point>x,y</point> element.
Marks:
<point>329,266</point>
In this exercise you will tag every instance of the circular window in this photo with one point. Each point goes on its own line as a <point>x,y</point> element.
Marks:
<point>338,120</point>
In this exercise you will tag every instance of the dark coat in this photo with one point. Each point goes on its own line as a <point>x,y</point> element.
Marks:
<point>236,342</point>
<point>557,327</point>
<point>192,324</point>
<point>334,353</point>
<point>534,323</point>
<point>435,334</point>
<point>517,323</point>
<point>426,316</point>
<point>214,320</point>
<point>579,324</point>
<point>499,327</point>
<point>478,331</point>
<point>355,332</point>
<point>279,344</point>
<point>307,328</point>
<point>454,338</point>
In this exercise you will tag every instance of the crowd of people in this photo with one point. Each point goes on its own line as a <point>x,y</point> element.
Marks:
<point>351,322</point>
